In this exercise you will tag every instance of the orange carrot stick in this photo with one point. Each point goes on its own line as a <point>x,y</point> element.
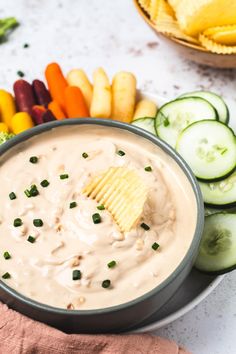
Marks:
<point>56,83</point>
<point>75,103</point>
<point>56,110</point>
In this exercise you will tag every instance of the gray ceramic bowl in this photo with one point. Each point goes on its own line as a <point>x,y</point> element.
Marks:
<point>125,316</point>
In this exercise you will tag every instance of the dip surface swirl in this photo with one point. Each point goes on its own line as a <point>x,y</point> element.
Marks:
<point>68,257</point>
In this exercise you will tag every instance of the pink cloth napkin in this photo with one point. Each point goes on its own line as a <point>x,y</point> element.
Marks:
<point>21,335</point>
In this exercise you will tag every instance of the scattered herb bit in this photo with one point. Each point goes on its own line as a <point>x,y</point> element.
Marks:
<point>38,222</point>
<point>111,264</point>
<point>145,226</point>
<point>101,207</point>
<point>73,205</point>
<point>17,222</point>
<point>33,159</point>
<point>120,153</point>
<point>85,155</point>
<point>26,45</point>
<point>64,176</point>
<point>27,193</point>
<point>44,183</point>
<point>6,255</point>
<point>6,275</point>
<point>76,275</point>
<point>155,246</point>
<point>166,122</point>
<point>31,239</point>
<point>6,25</point>
<point>148,168</point>
<point>106,283</point>
<point>32,192</point>
<point>20,73</point>
<point>96,218</point>
<point>12,196</point>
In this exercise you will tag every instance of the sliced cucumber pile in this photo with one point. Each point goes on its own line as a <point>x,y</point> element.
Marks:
<point>217,254</point>
<point>220,194</point>
<point>176,115</point>
<point>209,147</point>
<point>215,100</point>
<point>145,123</point>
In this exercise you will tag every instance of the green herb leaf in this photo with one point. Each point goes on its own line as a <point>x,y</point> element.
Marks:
<point>17,222</point>
<point>20,73</point>
<point>73,205</point>
<point>33,159</point>
<point>12,196</point>
<point>44,183</point>
<point>6,255</point>
<point>96,218</point>
<point>31,239</point>
<point>106,284</point>
<point>148,168</point>
<point>155,246</point>
<point>145,226</point>
<point>120,153</point>
<point>6,275</point>
<point>101,207</point>
<point>85,155</point>
<point>38,222</point>
<point>111,264</point>
<point>76,275</point>
<point>64,176</point>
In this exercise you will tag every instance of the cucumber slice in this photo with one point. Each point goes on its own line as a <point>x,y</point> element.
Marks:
<point>209,147</point>
<point>215,100</point>
<point>176,115</point>
<point>220,194</point>
<point>145,123</point>
<point>217,253</point>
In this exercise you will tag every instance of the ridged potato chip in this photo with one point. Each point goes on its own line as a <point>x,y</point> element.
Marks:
<point>145,4</point>
<point>225,35</point>
<point>122,193</point>
<point>214,47</point>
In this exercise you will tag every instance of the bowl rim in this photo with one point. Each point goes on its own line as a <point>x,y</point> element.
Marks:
<point>23,137</point>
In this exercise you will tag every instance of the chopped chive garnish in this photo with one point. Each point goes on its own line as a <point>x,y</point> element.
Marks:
<point>32,192</point>
<point>33,159</point>
<point>17,222</point>
<point>73,205</point>
<point>20,73</point>
<point>44,183</point>
<point>6,275</point>
<point>106,283</point>
<point>38,222</point>
<point>26,45</point>
<point>85,155</point>
<point>12,196</point>
<point>111,264</point>
<point>155,246</point>
<point>6,255</point>
<point>76,275</point>
<point>101,207</point>
<point>145,226</point>
<point>31,239</point>
<point>148,168</point>
<point>120,153</point>
<point>27,193</point>
<point>65,176</point>
<point>96,218</point>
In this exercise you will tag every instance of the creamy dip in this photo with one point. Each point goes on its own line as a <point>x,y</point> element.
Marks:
<point>69,240</point>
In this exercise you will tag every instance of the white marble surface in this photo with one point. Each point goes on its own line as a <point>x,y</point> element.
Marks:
<point>111,34</point>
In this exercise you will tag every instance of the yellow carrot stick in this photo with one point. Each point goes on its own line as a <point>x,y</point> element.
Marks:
<point>7,106</point>
<point>4,128</point>
<point>78,78</point>
<point>20,122</point>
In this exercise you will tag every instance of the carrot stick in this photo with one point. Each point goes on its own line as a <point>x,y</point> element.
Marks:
<point>56,110</point>
<point>75,103</point>
<point>56,83</point>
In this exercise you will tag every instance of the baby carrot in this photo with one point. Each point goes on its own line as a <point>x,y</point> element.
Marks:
<point>4,128</point>
<point>41,93</point>
<point>37,114</point>
<point>7,107</point>
<point>56,110</point>
<point>20,122</point>
<point>56,83</point>
<point>75,103</point>
<point>24,96</point>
